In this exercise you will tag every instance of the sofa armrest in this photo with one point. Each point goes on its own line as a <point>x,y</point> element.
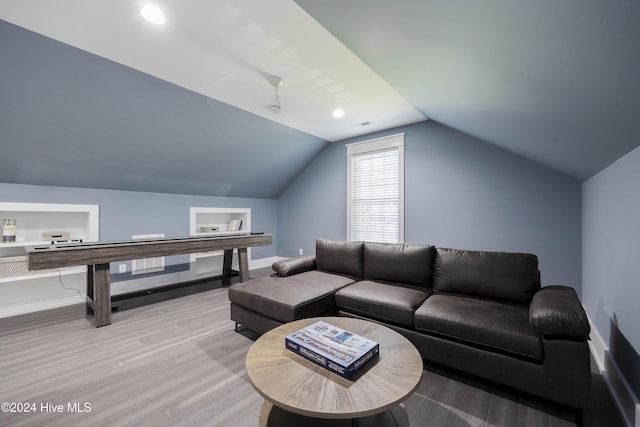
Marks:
<point>291,266</point>
<point>556,310</point>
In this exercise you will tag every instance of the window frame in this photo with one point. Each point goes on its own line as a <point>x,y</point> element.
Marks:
<point>386,143</point>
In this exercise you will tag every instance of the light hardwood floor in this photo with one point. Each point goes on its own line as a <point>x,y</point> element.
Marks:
<point>180,363</point>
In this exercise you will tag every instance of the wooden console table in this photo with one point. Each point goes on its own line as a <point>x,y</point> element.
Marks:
<point>97,256</point>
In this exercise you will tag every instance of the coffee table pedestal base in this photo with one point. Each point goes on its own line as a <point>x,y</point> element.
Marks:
<point>271,416</point>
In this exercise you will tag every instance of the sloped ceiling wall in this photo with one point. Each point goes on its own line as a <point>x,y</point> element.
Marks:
<point>70,118</point>
<point>555,82</point>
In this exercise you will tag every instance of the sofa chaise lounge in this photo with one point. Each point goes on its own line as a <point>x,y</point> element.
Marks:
<point>484,313</point>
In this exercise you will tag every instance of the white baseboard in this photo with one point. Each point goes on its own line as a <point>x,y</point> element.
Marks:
<point>263,262</point>
<point>136,284</point>
<point>143,283</point>
<point>40,305</point>
<point>597,346</point>
<point>623,396</point>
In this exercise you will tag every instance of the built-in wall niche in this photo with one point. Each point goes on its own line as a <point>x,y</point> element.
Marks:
<point>206,221</point>
<point>25,290</point>
<point>219,221</point>
<point>36,223</point>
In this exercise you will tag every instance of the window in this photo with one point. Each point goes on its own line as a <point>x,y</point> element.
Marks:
<point>376,190</point>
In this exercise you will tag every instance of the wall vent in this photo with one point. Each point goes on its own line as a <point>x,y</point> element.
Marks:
<point>147,265</point>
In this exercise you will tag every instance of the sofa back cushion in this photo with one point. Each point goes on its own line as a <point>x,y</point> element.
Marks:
<point>512,277</point>
<point>403,263</point>
<point>340,257</point>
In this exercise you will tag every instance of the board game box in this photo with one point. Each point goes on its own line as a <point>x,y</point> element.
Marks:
<point>333,348</point>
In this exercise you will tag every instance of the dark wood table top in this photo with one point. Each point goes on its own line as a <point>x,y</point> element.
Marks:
<point>91,253</point>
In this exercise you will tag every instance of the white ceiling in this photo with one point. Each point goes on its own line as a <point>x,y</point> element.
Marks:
<point>227,50</point>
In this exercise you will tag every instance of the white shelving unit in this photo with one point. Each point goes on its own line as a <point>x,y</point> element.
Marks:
<point>34,219</point>
<point>205,221</point>
<point>22,290</point>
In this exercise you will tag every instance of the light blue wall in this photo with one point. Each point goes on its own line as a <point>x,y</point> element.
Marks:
<point>315,204</point>
<point>611,255</point>
<point>124,213</point>
<point>460,192</point>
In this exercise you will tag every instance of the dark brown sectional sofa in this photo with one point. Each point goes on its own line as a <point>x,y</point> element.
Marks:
<point>484,313</point>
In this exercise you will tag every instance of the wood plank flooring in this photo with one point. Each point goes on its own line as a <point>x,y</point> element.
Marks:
<point>180,363</point>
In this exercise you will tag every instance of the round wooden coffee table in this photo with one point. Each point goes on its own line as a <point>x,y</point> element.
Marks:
<point>299,392</point>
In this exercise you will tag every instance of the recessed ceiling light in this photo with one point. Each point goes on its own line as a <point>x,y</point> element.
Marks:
<point>152,14</point>
<point>338,113</point>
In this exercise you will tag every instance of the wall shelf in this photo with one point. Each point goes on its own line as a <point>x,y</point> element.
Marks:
<point>204,219</point>
<point>22,288</point>
<point>34,219</point>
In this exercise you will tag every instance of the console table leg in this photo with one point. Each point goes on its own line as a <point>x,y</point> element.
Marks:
<point>100,293</point>
<point>226,266</point>
<point>89,299</point>
<point>243,264</point>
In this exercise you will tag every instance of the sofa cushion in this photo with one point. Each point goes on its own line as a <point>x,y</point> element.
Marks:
<point>289,267</point>
<point>379,301</point>
<point>498,325</point>
<point>340,257</point>
<point>289,298</point>
<point>512,277</point>
<point>404,263</point>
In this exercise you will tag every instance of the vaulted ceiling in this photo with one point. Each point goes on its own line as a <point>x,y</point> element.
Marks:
<point>92,95</point>
<point>556,82</point>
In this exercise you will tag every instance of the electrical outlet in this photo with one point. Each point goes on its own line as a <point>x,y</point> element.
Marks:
<point>122,268</point>
<point>300,251</point>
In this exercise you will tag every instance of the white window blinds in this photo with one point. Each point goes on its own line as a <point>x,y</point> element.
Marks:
<point>375,190</point>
